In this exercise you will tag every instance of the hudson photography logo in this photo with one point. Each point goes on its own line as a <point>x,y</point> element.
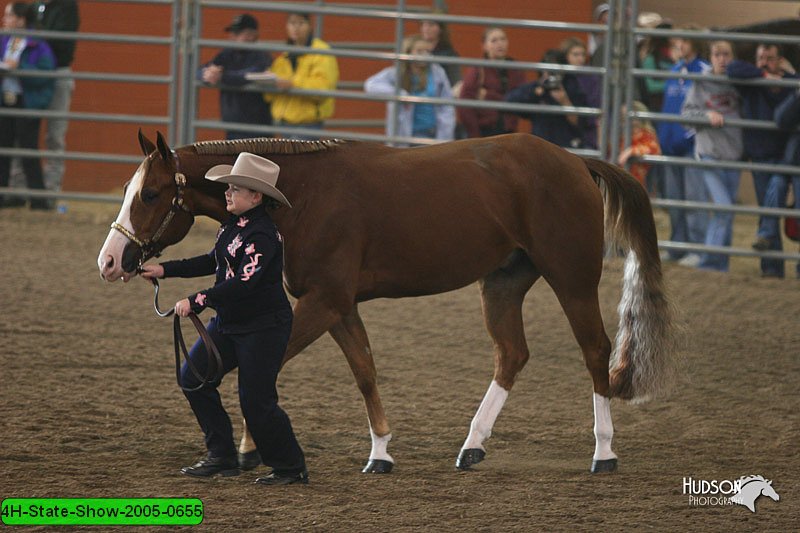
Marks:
<point>743,491</point>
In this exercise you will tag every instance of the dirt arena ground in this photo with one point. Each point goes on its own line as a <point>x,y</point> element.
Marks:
<point>89,406</point>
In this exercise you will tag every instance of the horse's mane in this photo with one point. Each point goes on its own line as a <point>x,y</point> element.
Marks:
<point>264,145</point>
<point>744,480</point>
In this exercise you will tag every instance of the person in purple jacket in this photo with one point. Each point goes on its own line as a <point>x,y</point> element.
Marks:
<point>251,329</point>
<point>23,92</point>
<point>765,146</point>
<point>682,183</point>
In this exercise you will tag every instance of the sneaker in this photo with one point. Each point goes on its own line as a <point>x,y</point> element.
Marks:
<point>690,260</point>
<point>761,244</point>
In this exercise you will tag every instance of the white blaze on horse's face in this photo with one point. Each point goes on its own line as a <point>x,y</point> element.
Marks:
<point>110,259</point>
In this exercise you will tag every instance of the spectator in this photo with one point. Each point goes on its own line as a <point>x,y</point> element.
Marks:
<point>765,146</point>
<point>644,141</point>
<point>596,45</point>
<point>438,36</point>
<point>655,53</point>
<point>492,84</point>
<point>302,70</point>
<point>554,89</point>
<point>576,54</point>
<point>58,15</point>
<point>687,225</point>
<point>229,67</point>
<point>718,102</point>
<point>416,78</point>
<point>787,116</point>
<point>23,53</point>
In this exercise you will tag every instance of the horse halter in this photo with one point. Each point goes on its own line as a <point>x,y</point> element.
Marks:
<point>151,247</point>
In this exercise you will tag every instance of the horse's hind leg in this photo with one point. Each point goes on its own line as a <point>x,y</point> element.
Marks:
<point>502,294</point>
<point>350,335</point>
<point>579,299</point>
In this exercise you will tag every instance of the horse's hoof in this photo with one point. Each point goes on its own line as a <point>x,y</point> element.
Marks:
<point>601,466</point>
<point>249,460</point>
<point>467,458</point>
<point>378,466</point>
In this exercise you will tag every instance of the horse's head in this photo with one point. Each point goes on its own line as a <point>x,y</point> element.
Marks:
<point>156,212</point>
<point>769,492</point>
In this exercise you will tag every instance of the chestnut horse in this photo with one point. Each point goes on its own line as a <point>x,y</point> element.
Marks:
<point>370,221</point>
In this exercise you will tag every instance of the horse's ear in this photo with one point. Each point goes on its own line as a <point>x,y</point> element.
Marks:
<point>163,148</point>
<point>146,144</point>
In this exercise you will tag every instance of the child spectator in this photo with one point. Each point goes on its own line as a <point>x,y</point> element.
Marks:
<point>687,225</point>
<point>488,83</point>
<point>644,141</point>
<point>417,78</point>
<point>717,102</point>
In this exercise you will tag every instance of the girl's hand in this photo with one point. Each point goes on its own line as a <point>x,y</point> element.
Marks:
<point>151,272</point>
<point>716,118</point>
<point>183,307</point>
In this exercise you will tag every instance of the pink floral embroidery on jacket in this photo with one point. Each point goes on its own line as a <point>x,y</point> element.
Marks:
<point>228,270</point>
<point>251,268</point>
<point>250,249</point>
<point>242,222</point>
<point>235,244</point>
<point>200,299</point>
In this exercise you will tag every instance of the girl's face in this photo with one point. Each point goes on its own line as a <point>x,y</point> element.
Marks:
<point>576,56</point>
<point>721,56</point>
<point>430,31</point>
<point>684,48</point>
<point>496,44</point>
<point>241,199</point>
<point>11,21</point>
<point>420,48</point>
<point>298,29</point>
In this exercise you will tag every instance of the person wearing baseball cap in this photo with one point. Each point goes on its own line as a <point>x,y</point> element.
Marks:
<point>230,68</point>
<point>251,328</point>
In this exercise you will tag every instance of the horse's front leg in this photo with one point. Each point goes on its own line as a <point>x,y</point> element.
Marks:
<point>351,336</point>
<point>312,318</point>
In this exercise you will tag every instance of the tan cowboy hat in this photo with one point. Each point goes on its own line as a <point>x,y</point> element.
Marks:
<point>252,172</point>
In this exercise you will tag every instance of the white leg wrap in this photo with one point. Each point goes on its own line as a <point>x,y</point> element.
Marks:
<point>481,427</point>
<point>603,428</point>
<point>379,445</point>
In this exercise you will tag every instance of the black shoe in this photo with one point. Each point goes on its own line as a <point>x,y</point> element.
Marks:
<point>275,478</point>
<point>42,204</point>
<point>11,201</point>
<point>211,466</point>
<point>249,460</point>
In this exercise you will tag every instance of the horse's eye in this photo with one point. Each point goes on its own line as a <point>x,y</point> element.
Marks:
<point>149,195</point>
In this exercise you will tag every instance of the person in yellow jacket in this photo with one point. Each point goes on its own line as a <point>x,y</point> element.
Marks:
<point>302,71</point>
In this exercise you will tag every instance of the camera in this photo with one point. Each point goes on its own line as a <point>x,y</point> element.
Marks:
<point>552,82</point>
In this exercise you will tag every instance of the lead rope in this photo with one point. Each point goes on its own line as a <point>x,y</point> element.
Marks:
<point>215,368</point>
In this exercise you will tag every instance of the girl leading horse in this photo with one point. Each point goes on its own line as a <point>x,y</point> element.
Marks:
<point>371,221</point>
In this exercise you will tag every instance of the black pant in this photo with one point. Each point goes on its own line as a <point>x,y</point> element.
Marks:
<point>258,355</point>
<point>23,131</point>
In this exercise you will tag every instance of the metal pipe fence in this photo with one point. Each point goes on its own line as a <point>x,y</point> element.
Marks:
<point>618,76</point>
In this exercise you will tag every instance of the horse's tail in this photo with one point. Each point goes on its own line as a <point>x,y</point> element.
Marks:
<point>641,364</point>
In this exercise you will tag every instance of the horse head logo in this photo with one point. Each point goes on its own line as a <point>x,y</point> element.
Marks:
<point>750,488</point>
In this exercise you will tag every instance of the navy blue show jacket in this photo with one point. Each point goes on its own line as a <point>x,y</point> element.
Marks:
<point>247,258</point>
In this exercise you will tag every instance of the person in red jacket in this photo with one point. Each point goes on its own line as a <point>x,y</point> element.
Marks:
<point>491,84</point>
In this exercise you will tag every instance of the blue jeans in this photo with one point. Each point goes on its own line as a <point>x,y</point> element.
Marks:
<point>722,186</point>
<point>688,225</point>
<point>770,227</point>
